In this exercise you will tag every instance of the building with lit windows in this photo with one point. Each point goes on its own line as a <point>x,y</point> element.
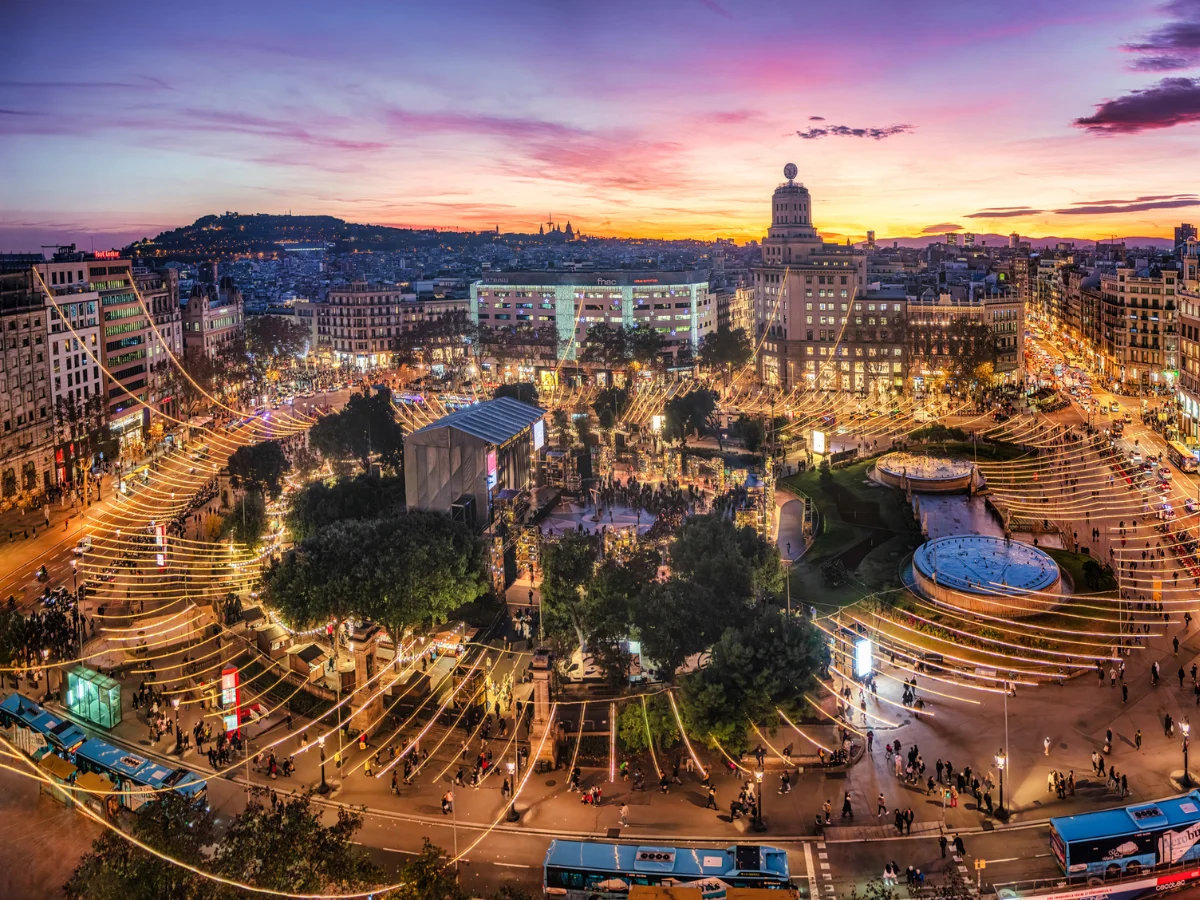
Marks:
<point>930,317</point>
<point>213,318</point>
<point>1140,325</point>
<point>26,411</point>
<point>816,325</point>
<point>678,305</point>
<point>361,322</point>
<point>160,293</point>
<point>1188,393</point>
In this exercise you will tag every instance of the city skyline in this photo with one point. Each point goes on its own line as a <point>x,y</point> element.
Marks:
<point>630,122</point>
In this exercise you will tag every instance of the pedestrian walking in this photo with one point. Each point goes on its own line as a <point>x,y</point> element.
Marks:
<point>847,810</point>
<point>712,798</point>
<point>1137,739</point>
<point>942,842</point>
<point>882,806</point>
<point>1046,745</point>
<point>624,815</point>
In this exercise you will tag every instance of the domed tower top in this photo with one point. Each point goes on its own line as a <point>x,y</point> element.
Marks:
<point>791,208</point>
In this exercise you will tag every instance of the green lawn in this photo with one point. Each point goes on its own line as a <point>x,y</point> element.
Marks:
<point>1072,564</point>
<point>869,526</point>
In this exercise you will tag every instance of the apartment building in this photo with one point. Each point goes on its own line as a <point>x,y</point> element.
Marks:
<point>160,293</point>
<point>932,315</point>
<point>214,318</point>
<point>26,401</point>
<point>1140,325</point>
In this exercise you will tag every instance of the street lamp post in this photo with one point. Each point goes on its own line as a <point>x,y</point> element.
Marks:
<point>324,787</point>
<point>178,736</point>
<point>758,816</point>
<point>1001,762</point>
<point>512,790</point>
<point>1186,729</point>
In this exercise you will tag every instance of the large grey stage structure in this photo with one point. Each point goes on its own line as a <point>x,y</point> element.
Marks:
<point>462,461</point>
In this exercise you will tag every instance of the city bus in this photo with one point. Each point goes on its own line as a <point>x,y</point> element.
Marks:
<point>1181,456</point>
<point>1130,840</point>
<point>138,780</point>
<point>602,870</point>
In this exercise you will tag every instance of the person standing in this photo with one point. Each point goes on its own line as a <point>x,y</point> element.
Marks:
<point>1046,745</point>
<point>942,842</point>
<point>1137,739</point>
<point>624,815</point>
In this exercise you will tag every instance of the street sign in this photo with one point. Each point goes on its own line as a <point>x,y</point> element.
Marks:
<point>981,863</point>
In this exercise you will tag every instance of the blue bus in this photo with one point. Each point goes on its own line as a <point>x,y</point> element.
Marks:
<point>61,736</point>
<point>601,870</point>
<point>1130,840</point>
<point>137,778</point>
<point>39,731</point>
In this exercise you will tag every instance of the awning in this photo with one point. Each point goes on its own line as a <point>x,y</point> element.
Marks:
<point>58,767</point>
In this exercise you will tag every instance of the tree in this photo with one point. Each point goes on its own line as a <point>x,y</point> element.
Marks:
<point>567,568</point>
<point>632,724</point>
<point>610,405</point>
<point>259,467</point>
<point>769,662</point>
<point>604,616</point>
<point>675,619</point>
<point>731,562</point>
<point>972,350</point>
<point>605,345</point>
<point>525,391</point>
<point>322,503</point>
<point>420,567</point>
<point>688,413</point>
<point>726,349</point>
<point>200,383</point>
<point>287,847</point>
<point>246,523</point>
<point>752,431</point>
<point>365,427</point>
<point>400,571</point>
<point>645,346</point>
<point>277,337</point>
<point>426,877</point>
<point>116,869</point>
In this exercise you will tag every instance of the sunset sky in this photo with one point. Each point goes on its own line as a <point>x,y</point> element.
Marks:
<point>668,118</point>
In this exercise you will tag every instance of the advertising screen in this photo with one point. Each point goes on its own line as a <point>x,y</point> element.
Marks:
<point>539,434</point>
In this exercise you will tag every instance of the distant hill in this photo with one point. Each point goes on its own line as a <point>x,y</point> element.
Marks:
<point>1037,243</point>
<point>237,233</point>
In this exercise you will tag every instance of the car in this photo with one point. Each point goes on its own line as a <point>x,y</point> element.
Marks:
<point>1135,456</point>
<point>1191,505</point>
<point>1166,512</point>
<point>1164,487</point>
<point>109,575</point>
<point>1164,473</point>
<point>84,545</point>
<point>1128,418</point>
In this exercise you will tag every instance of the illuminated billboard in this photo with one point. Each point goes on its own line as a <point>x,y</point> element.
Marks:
<point>818,442</point>
<point>862,658</point>
<point>539,434</point>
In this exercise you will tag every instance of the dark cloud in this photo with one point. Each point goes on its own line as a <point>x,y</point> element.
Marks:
<point>877,134</point>
<point>816,118</point>
<point>1112,209</point>
<point>1173,46</point>
<point>941,229</point>
<point>1171,102</point>
<point>1006,213</point>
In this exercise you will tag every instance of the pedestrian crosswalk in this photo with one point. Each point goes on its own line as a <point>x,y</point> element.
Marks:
<point>823,862</point>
